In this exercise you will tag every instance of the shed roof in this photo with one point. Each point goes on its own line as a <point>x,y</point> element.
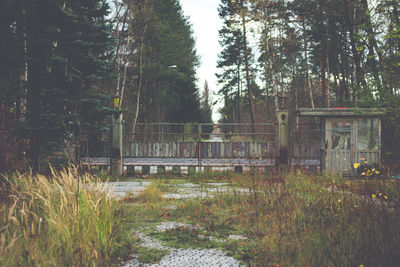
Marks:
<point>341,112</point>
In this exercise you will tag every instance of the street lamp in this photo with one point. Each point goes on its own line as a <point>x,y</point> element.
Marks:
<point>282,102</point>
<point>116,101</point>
<point>116,159</point>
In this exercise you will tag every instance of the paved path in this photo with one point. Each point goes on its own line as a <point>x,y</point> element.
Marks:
<point>189,257</point>
<point>120,189</point>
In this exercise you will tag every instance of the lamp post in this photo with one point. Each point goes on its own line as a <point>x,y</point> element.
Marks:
<point>116,159</point>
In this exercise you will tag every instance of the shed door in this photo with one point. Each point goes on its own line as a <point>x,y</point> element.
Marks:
<point>340,144</point>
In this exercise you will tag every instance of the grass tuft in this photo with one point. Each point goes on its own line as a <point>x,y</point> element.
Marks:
<point>60,221</point>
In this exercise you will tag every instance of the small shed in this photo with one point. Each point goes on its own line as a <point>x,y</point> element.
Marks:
<point>348,136</point>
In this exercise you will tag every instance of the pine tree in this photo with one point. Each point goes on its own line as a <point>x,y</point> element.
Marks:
<point>236,59</point>
<point>62,48</point>
<point>162,78</point>
<point>206,106</point>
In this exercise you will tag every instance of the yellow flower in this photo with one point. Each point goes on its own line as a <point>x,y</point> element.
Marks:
<point>339,200</point>
<point>363,173</point>
<point>377,172</point>
<point>385,196</point>
<point>260,158</point>
<point>380,194</point>
<point>373,196</point>
<point>362,159</point>
<point>356,165</point>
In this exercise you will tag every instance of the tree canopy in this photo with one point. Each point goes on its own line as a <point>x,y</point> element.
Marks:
<point>319,53</point>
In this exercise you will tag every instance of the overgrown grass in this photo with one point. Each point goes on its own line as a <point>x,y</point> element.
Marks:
<point>295,220</point>
<point>182,237</point>
<point>59,221</point>
<point>204,177</point>
<point>149,255</point>
<point>290,219</point>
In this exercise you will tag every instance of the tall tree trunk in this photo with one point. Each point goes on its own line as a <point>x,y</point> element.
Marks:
<point>372,44</point>
<point>322,65</point>
<point>359,75</point>
<point>295,88</point>
<point>35,75</point>
<point>239,95</point>
<point>140,81</point>
<point>323,56</point>
<point>126,64</point>
<point>309,90</point>
<point>118,34</point>
<point>246,62</point>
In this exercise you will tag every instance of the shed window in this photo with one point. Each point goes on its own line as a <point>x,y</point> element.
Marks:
<point>341,134</point>
<point>368,134</point>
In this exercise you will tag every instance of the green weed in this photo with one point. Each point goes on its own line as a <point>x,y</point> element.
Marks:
<point>182,237</point>
<point>150,255</point>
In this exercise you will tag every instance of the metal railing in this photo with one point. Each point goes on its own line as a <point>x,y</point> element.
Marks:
<point>186,132</point>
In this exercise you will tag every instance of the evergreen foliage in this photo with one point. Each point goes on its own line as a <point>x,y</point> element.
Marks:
<point>165,66</point>
<point>61,51</point>
<point>236,60</point>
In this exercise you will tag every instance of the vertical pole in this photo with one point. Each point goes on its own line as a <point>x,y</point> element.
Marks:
<point>162,132</point>
<point>283,138</point>
<point>282,115</point>
<point>116,146</point>
<point>199,144</point>
<point>325,136</point>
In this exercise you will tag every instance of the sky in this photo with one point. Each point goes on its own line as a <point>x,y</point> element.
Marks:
<point>203,15</point>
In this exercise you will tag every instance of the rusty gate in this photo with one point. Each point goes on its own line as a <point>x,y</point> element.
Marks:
<point>156,147</point>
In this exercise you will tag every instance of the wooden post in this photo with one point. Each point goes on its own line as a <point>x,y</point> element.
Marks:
<point>116,146</point>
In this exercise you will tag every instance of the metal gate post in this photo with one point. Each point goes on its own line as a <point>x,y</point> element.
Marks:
<point>199,144</point>
<point>282,157</point>
<point>116,146</point>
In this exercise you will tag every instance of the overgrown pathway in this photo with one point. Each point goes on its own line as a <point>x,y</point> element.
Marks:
<point>183,257</point>
<point>163,242</point>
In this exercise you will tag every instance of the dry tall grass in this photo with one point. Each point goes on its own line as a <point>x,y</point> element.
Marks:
<point>302,220</point>
<point>59,221</point>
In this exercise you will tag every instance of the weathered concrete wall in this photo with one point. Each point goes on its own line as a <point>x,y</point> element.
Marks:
<point>216,150</point>
<point>300,150</point>
<point>207,149</point>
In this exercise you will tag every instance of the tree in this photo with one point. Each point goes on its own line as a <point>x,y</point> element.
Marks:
<point>161,74</point>
<point>236,57</point>
<point>62,48</point>
<point>206,106</point>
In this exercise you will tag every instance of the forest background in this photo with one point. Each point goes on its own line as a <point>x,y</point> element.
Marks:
<point>63,60</point>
